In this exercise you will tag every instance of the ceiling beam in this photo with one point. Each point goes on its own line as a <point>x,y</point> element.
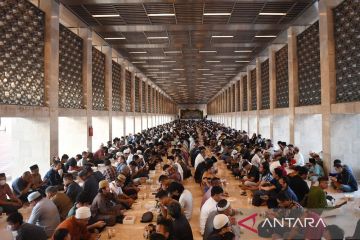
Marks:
<point>166,45</point>
<point>77,2</point>
<point>188,27</point>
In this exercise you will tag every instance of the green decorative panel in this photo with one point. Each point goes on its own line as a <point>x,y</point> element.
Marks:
<point>253,89</point>
<point>127,91</point>
<point>143,98</point>
<point>149,108</point>
<point>233,89</point>
<point>244,93</point>
<point>116,87</point>
<point>347,42</point>
<point>21,53</point>
<point>309,79</point>
<point>282,78</point>
<point>265,87</point>
<point>137,94</point>
<point>98,80</point>
<point>70,69</point>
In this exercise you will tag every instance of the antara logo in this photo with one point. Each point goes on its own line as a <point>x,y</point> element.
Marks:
<point>293,222</point>
<point>281,222</point>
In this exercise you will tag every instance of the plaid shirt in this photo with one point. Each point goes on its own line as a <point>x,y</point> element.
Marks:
<point>110,173</point>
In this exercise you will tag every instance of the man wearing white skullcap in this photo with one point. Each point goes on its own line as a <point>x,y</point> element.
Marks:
<point>44,213</point>
<point>77,225</point>
<point>222,207</point>
<point>222,229</point>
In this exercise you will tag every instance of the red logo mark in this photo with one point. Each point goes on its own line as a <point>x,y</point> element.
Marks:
<point>253,217</point>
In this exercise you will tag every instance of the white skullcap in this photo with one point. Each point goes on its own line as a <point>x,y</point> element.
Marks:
<point>220,221</point>
<point>126,151</point>
<point>138,152</point>
<point>83,213</point>
<point>118,154</point>
<point>233,152</point>
<point>32,196</point>
<point>221,209</point>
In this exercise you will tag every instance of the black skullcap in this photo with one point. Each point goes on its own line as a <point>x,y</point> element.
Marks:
<point>34,167</point>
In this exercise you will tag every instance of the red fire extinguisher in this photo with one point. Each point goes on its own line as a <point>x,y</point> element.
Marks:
<point>91,131</point>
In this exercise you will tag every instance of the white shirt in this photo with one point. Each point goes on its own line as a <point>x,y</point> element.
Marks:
<point>129,159</point>
<point>180,170</point>
<point>186,202</point>
<point>115,189</point>
<point>274,165</point>
<point>192,143</point>
<point>256,161</point>
<point>285,151</point>
<point>199,158</point>
<point>299,159</point>
<point>206,209</point>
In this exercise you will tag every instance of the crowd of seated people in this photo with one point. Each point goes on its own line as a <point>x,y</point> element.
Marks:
<point>81,195</point>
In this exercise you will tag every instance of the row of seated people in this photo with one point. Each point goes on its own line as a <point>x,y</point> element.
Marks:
<point>61,201</point>
<point>278,179</point>
<point>104,196</point>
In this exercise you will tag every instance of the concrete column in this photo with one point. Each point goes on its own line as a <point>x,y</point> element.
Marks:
<point>151,100</point>
<point>140,101</point>
<point>328,76</point>
<point>108,85</point>
<point>230,98</point>
<point>248,79</point>
<point>86,34</point>
<point>132,92</point>
<point>236,86</point>
<point>155,100</point>
<point>293,80</point>
<point>51,75</point>
<point>258,93</point>
<point>224,102</point>
<point>272,87</point>
<point>241,85</point>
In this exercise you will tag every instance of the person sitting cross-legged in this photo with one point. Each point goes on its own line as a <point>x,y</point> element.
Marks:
<point>72,188</point>
<point>60,199</point>
<point>181,226</point>
<point>44,213</point>
<point>209,206</point>
<point>8,201</point>
<point>345,180</point>
<point>184,196</point>
<point>116,187</point>
<point>22,186</point>
<point>222,229</point>
<point>265,177</point>
<point>106,206</point>
<point>52,177</point>
<point>252,177</point>
<point>25,231</point>
<point>222,207</point>
<point>78,225</point>
<point>316,198</point>
<point>316,171</point>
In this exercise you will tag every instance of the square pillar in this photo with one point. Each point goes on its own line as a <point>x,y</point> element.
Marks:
<point>258,92</point>
<point>293,79</point>
<point>272,87</point>
<point>86,35</point>
<point>51,73</point>
<point>328,75</point>
<point>108,85</point>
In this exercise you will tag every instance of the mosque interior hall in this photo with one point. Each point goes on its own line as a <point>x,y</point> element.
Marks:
<point>86,83</point>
